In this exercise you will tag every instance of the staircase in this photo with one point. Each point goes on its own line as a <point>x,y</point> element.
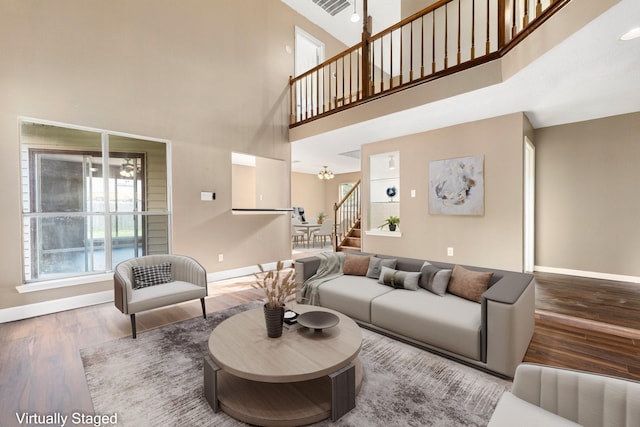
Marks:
<point>352,241</point>
<point>347,215</point>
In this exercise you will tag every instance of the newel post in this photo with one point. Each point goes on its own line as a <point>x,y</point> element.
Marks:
<point>366,64</point>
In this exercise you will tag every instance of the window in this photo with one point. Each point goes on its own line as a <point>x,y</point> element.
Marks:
<point>91,199</point>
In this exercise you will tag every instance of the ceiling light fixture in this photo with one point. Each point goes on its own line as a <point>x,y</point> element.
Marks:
<point>325,174</point>
<point>631,34</point>
<point>128,169</point>
<point>355,17</point>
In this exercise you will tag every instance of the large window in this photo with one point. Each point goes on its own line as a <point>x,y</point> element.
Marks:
<point>90,200</point>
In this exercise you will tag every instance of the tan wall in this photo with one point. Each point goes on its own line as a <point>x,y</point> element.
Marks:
<point>316,195</point>
<point>211,79</point>
<point>307,191</point>
<point>587,196</point>
<point>409,7</point>
<point>492,240</point>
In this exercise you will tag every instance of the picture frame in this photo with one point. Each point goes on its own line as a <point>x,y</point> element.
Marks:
<point>456,186</point>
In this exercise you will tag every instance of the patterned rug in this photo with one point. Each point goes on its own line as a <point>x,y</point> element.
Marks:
<point>157,380</point>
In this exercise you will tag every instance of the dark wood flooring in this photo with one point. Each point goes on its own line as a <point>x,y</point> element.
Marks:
<point>583,324</point>
<point>587,324</point>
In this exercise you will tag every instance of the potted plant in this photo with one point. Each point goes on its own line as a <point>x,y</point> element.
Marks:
<point>392,222</point>
<point>321,217</point>
<point>279,287</point>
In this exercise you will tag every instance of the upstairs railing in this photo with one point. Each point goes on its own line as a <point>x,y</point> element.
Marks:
<point>446,37</point>
<point>346,214</point>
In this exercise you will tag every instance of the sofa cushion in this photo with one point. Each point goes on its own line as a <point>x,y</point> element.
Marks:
<point>355,265</point>
<point>151,275</point>
<point>434,279</point>
<point>469,284</point>
<point>376,264</point>
<point>351,295</point>
<point>512,411</point>
<point>399,279</point>
<point>450,323</point>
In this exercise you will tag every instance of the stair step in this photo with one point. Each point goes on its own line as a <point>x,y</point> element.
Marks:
<point>349,248</point>
<point>356,232</point>
<point>352,241</point>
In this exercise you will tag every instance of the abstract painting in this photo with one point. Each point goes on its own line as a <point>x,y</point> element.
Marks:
<point>456,186</point>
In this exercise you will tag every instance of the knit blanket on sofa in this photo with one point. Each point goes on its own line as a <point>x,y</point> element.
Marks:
<point>330,268</point>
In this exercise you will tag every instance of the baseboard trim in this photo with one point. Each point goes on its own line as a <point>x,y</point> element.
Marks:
<point>244,271</point>
<point>587,274</point>
<point>54,306</point>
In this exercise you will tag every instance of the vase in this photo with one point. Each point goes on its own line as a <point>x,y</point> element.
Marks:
<point>274,318</point>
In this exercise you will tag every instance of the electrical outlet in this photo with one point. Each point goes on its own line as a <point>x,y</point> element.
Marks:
<point>449,251</point>
<point>220,257</point>
<point>413,193</point>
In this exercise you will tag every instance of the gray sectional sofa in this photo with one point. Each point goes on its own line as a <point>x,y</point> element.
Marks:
<point>492,334</point>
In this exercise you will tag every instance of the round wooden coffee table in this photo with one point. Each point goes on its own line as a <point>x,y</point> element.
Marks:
<point>300,378</point>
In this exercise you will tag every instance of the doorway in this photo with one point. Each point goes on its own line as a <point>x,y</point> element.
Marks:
<point>529,204</point>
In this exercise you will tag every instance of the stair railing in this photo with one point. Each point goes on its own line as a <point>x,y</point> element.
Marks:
<point>346,214</point>
<point>446,37</point>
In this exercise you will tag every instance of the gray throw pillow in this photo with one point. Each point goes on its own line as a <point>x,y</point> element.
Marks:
<point>434,279</point>
<point>376,264</point>
<point>399,279</point>
<point>151,275</point>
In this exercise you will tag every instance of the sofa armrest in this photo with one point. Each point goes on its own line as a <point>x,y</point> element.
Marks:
<point>119,293</point>
<point>305,268</point>
<point>508,318</point>
<point>585,398</point>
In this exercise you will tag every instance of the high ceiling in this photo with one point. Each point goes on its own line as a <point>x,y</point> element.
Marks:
<point>590,75</point>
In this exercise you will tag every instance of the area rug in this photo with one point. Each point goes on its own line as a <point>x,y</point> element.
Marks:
<point>157,380</point>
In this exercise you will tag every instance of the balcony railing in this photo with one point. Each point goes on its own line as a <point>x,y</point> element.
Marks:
<point>446,37</point>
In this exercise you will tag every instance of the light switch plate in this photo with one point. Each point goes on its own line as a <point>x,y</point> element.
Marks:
<point>207,195</point>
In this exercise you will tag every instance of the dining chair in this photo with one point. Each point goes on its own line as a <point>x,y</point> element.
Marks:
<point>325,231</point>
<point>297,235</point>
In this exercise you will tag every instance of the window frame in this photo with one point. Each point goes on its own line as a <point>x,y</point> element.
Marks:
<point>108,214</point>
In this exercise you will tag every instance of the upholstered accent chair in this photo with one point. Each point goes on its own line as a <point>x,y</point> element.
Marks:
<point>154,281</point>
<point>548,396</point>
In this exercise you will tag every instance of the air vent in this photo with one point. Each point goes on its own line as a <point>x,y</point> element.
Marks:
<point>355,154</point>
<point>333,7</point>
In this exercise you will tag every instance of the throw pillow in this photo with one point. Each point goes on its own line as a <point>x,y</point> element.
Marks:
<point>399,279</point>
<point>151,275</point>
<point>355,265</point>
<point>376,264</point>
<point>469,284</point>
<point>434,279</point>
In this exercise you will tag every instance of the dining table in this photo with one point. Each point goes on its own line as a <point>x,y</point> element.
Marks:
<point>309,228</point>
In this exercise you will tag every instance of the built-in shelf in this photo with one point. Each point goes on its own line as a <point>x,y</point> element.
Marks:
<point>276,211</point>
<point>383,233</point>
<point>384,192</point>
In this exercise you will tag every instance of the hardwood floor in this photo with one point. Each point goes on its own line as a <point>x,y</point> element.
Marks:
<point>584,324</point>
<point>587,324</point>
